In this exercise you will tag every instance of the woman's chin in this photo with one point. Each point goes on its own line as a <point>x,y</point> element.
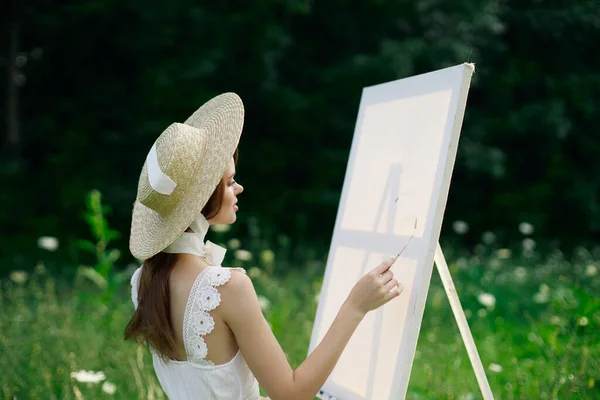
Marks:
<point>224,220</point>
<point>233,218</point>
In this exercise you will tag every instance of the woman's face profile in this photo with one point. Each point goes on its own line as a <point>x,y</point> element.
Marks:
<point>227,212</point>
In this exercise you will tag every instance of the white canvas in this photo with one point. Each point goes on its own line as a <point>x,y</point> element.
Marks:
<point>397,177</point>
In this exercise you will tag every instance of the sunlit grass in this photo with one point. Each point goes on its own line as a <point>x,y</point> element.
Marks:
<point>536,324</point>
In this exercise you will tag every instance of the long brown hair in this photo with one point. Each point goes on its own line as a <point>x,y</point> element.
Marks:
<point>151,321</point>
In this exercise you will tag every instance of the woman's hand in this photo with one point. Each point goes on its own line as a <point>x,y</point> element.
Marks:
<point>376,288</point>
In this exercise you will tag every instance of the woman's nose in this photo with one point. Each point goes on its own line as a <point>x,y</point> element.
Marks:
<point>240,188</point>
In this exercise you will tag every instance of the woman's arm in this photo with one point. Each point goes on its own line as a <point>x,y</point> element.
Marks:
<point>311,375</point>
<point>262,352</point>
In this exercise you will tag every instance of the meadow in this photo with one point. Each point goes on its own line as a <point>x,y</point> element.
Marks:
<point>535,319</point>
<point>535,325</point>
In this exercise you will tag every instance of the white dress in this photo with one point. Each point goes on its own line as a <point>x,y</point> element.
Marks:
<point>198,378</point>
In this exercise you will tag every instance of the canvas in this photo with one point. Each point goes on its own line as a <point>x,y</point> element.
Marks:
<point>394,193</point>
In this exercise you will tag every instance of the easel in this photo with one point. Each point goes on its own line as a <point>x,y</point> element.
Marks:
<point>463,326</point>
<point>367,236</point>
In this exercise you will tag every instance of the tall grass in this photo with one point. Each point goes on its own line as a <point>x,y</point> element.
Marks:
<point>538,339</point>
<point>535,319</point>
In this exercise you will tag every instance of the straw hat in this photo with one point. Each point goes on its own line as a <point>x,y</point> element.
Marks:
<point>181,172</point>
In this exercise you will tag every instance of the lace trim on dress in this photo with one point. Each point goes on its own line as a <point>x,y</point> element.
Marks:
<point>197,322</point>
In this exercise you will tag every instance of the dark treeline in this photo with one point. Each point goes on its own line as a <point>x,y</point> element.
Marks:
<point>91,84</point>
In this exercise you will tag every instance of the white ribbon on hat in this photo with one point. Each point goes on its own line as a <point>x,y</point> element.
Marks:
<point>159,181</point>
<point>193,243</point>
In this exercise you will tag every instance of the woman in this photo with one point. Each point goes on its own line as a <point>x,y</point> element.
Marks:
<point>208,337</point>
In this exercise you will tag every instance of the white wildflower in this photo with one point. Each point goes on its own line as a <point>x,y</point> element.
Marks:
<point>254,272</point>
<point>495,264</point>
<point>48,243</point>
<point>220,228</point>
<point>488,237</point>
<point>526,228</point>
<point>528,244</point>
<point>504,253</point>
<point>264,303</point>
<point>542,295</point>
<point>234,244</point>
<point>243,255</point>
<point>267,256</point>
<point>109,388</point>
<point>482,312</point>
<point>88,376</point>
<point>495,367</point>
<point>583,321</point>
<point>460,227</point>
<point>520,273</point>
<point>591,270</point>
<point>487,299</point>
<point>18,276</point>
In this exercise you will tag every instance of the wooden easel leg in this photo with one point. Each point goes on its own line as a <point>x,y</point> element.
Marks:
<point>463,326</point>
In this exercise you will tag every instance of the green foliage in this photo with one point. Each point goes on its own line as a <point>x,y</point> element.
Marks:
<point>102,273</point>
<point>94,102</point>
<point>48,332</point>
<point>535,320</point>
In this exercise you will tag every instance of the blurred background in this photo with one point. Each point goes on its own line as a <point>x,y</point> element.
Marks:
<point>89,86</point>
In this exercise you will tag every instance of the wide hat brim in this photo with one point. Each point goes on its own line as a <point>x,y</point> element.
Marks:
<point>220,120</point>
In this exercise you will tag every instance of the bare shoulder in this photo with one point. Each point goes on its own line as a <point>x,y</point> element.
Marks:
<point>238,286</point>
<point>238,280</point>
<point>237,294</point>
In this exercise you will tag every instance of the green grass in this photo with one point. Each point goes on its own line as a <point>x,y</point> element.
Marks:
<point>542,334</point>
